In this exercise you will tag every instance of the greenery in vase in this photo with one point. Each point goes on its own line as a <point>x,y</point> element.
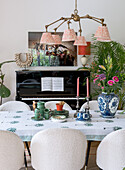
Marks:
<point>116,52</point>
<point>4,91</point>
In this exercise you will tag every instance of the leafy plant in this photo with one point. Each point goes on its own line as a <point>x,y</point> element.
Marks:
<point>4,91</point>
<point>116,52</point>
<point>107,78</point>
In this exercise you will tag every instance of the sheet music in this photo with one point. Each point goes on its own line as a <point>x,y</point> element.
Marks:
<point>58,84</point>
<point>46,84</point>
<point>52,84</point>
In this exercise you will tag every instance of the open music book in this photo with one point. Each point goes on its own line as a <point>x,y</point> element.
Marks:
<point>52,84</point>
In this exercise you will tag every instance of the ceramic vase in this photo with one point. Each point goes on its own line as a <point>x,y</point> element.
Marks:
<point>108,104</point>
<point>41,107</point>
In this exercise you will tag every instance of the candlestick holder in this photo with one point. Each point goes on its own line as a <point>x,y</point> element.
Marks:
<point>87,109</point>
<point>77,106</point>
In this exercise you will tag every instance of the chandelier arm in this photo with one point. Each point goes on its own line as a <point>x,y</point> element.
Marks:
<point>99,20</point>
<point>62,18</point>
<point>60,24</point>
<point>80,30</point>
<point>46,26</point>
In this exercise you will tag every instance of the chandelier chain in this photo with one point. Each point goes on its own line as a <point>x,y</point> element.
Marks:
<point>75,4</point>
<point>76,10</point>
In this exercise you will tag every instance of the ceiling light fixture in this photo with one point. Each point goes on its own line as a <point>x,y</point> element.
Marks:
<point>101,34</point>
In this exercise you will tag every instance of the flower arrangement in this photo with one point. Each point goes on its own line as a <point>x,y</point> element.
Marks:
<point>107,77</point>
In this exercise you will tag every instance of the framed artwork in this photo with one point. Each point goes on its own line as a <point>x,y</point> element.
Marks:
<point>64,54</point>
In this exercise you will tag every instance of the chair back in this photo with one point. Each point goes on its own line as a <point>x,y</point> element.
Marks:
<point>58,149</point>
<point>111,151</point>
<point>52,105</point>
<point>11,151</point>
<point>14,106</point>
<point>92,104</point>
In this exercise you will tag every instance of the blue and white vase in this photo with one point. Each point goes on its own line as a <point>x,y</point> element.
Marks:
<point>108,104</point>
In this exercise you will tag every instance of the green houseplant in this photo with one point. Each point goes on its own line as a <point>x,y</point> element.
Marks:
<point>116,52</point>
<point>4,91</point>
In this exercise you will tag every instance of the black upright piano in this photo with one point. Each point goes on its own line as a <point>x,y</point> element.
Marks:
<point>29,86</point>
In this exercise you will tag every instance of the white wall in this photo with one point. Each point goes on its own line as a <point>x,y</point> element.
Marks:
<point>17,17</point>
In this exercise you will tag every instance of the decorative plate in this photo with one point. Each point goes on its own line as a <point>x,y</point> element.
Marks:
<point>58,118</point>
<point>33,118</point>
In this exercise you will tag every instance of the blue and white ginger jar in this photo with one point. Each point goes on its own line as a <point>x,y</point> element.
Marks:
<point>108,104</point>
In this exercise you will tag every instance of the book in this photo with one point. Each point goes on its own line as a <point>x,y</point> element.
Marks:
<point>52,84</point>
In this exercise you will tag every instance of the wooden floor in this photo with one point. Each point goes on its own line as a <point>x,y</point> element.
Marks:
<point>92,158</point>
<point>91,163</point>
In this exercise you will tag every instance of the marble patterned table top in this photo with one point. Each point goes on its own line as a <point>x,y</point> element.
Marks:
<point>96,129</point>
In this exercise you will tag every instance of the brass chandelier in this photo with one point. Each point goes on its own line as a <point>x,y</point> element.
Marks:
<point>101,34</point>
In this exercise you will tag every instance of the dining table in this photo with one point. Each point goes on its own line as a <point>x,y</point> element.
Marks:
<point>25,126</point>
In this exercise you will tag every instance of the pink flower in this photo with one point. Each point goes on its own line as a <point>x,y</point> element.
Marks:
<point>99,84</point>
<point>97,76</point>
<point>115,78</point>
<point>102,87</point>
<point>95,80</point>
<point>111,82</point>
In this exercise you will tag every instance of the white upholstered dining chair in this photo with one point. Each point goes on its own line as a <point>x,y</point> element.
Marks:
<point>111,151</point>
<point>14,106</point>
<point>11,151</point>
<point>58,149</point>
<point>92,104</point>
<point>52,105</point>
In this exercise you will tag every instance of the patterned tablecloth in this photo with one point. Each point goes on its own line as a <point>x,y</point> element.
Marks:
<point>96,129</point>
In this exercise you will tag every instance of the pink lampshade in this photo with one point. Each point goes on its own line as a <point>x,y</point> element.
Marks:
<point>80,40</point>
<point>69,35</point>
<point>103,39</point>
<point>57,39</point>
<point>47,38</point>
<point>102,34</point>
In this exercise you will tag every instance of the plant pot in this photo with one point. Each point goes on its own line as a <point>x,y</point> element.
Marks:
<point>108,104</point>
<point>59,107</point>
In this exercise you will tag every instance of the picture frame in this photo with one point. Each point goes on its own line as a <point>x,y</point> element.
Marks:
<point>64,54</point>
